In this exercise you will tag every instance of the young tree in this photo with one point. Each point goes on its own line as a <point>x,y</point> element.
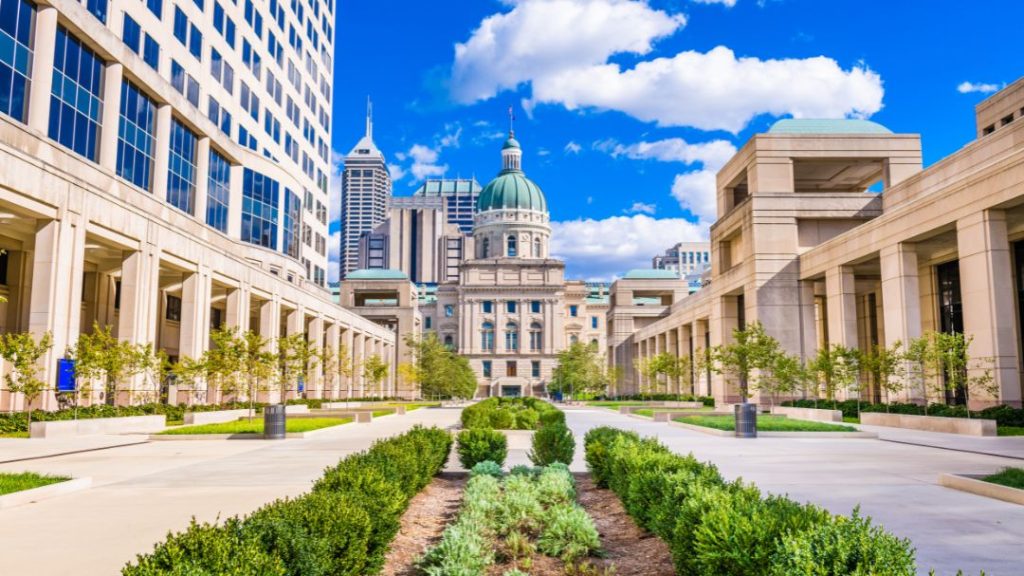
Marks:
<point>23,351</point>
<point>375,370</point>
<point>919,365</point>
<point>462,379</point>
<point>751,352</point>
<point>581,369</point>
<point>189,371</point>
<point>885,367</point>
<point>256,364</point>
<point>430,365</point>
<point>783,374</point>
<point>296,356</point>
<point>959,372</point>
<point>101,356</point>
<point>223,363</point>
<point>834,368</point>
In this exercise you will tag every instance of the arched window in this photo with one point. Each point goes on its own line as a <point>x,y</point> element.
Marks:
<point>593,342</point>
<point>487,247</point>
<point>536,248</point>
<point>488,336</point>
<point>448,342</point>
<point>511,246</point>
<point>536,336</point>
<point>574,339</point>
<point>511,337</point>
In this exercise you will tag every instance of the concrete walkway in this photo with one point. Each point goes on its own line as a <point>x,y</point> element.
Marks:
<point>896,484</point>
<point>141,492</point>
<point>1007,446</point>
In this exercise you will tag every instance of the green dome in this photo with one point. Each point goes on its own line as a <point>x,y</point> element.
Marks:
<point>511,190</point>
<point>510,143</point>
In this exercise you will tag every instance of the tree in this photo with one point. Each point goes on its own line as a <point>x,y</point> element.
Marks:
<point>256,364</point>
<point>462,378</point>
<point>885,367</point>
<point>918,362</point>
<point>581,369</point>
<point>783,373</point>
<point>296,358</point>
<point>101,356</point>
<point>835,367</point>
<point>23,351</point>
<point>190,371</point>
<point>375,370</point>
<point>961,373</point>
<point>670,366</point>
<point>751,352</point>
<point>223,362</point>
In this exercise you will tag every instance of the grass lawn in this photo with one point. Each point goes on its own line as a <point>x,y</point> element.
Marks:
<point>1012,477</point>
<point>292,425</point>
<point>851,419</point>
<point>649,412</point>
<point>1010,431</point>
<point>765,424</point>
<point>23,434</point>
<point>383,412</point>
<point>613,405</point>
<point>18,481</point>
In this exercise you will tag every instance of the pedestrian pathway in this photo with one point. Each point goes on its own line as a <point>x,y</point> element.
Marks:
<point>141,492</point>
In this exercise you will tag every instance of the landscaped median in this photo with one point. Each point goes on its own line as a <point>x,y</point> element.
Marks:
<point>248,429</point>
<point>768,426</point>
<point>511,414</point>
<point>1006,485</point>
<point>17,488</point>
<point>730,528</point>
<point>341,528</point>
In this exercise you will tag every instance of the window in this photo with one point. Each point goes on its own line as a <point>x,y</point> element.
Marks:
<point>76,104</point>
<point>536,248</point>
<point>221,71</point>
<point>511,337</point>
<point>487,332</point>
<point>574,338</point>
<point>487,368</point>
<point>535,307</point>
<point>180,26</point>
<point>259,209</point>
<point>292,224</point>
<point>427,323</point>
<point>216,318</point>
<point>487,247</point>
<point>131,34</point>
<point>536,337</point>
<point>535,369</point>
<point>218,192</point>
<point>510,368</point>
<point>173,309</point>
<point>449,310</point>
<point>184,83</point>
<point>16,57</point>
<point>449,343</point>
<point>195,42</point>
<point>223,24</point>
<point>510,306</point>
<point>594,322</point>
<point>97,8</point>
<point>574,310</point>
<point>511,246</point>
<point>181,177</point>
<point>151,53</point>
<point>156,7</point>
<point>488,306</point>
<point>136,139</point>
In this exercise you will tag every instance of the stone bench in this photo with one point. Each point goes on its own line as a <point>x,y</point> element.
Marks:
<point>88,426</point>
<point>814,414</point>
<point>965,426</point>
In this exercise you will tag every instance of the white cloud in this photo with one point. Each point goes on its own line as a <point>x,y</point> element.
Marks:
<point>538,38</point>
<point>983,88</point>
<point>451,137</point>
<point>334,196</point>
<point>425,162</point>
<point>396,172</point>
<point>695,191</point>
<point>713,154</point>
<point>543,152</point>
<point>604,249</point>
<point>716,90</point>
<point>572,148</point>
<point>726,3</point>
<point>641,208</point>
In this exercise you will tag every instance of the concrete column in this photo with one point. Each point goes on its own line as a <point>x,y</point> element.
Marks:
<point>139,295</point>
<point>235,201</point>
<point>314,388</point>
<point>270,322</point>
<point>842,306</point>
<point>900,293</point>
<point>723,321</point>
<point>700,331</point>
<point>113,77</point>
<point>808,321</point>
<point>296,322</point>
<point>332,380</point>
<point>55,297</point>
<point>162,151</point>
<point>238,303</point>
<point>683,350</point>
<point>358,359</point>
<point>194,333</point>
<point>348,341</point>
<point>986,288</point>
<point>44,46</point>
<point>202,178</point>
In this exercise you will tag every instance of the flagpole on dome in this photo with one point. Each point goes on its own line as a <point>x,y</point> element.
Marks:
<point>511,122</point>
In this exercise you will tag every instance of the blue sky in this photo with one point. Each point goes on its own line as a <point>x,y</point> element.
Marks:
<point>626,108</point>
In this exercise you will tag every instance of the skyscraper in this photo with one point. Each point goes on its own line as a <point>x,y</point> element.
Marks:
<point>457,197</point>
<point>365,194</point>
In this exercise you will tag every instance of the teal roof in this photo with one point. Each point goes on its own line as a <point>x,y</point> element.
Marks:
<point>511,190</point>
<point>827,126</point>
<point>510,143</point>
<point>376,274</point>
<point>651,274</point>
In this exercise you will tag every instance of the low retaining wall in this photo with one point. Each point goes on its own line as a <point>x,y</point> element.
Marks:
<point>685,405</point>
<point>43,492</point>
<point>296,409</point>
<point>815,414</point>
<point>216,417</point>
<point>123,425</point>
<point>965,426</point>
<point>668,415</point>
<point>975,485</point>
<point>340,405</point>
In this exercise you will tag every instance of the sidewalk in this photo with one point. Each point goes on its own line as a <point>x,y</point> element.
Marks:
<point>16,449</point>
<point>1004,446</point>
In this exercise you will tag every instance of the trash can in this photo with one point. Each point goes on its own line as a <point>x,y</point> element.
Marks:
<point>274,422</point>
<point>746,420</point>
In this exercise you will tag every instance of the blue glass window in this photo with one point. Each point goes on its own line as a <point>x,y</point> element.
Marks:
<point>535,369</point>
<point>180,26</point>
<point>487,333</point>
<point>260,197</point>
<point>156,7</point>
<point>76,105</point>
<point>487,368</point>
<point>15,56</point>
<point>292,224</point>
<point>510,306</point>
<point>593,321</point>
<point>181,173</point>
<point>511,337</point>
<point>195,42</point>
<point>218,192</point>
<point>151,53</point>
<point>131,34</point>
<point>136,137</point>
<point>574,310</point>
<point>488,306</point>
<point>535,306</point>
<point>97,8</point>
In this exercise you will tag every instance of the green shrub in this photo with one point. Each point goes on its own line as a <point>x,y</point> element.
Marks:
<point>527,419</point>
<point>568,533</point>
<point>503,420</point>
<point>520,507</point>
<point>510,414</point>
<point>552,443</point>
<point>487,467</point>
<point>555,486</point>
<point>844,546</point>
<point>207,550</point>
<point>478,444</point>
<point>524,470</point>
<point>464,550</point>
<point>554,416</point>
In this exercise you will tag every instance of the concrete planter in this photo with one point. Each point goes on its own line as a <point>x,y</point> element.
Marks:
<point>975,485</point>
<point>965,426</point>
<point>124,425</point>
<point>215,417</point>
<point>760,434</point>
<point>296,409</point>
<point>340,405</point>
<point>683,404</point>
<point>44,492</point>
<point>814,414</point>
<point>668,415</point>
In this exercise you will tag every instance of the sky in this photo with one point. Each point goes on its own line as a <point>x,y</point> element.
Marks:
<point>626,108</point>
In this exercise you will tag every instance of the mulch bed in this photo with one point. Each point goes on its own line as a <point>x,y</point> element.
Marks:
<point>627,549</point>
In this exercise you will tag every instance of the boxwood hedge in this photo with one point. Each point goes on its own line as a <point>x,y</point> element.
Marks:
<point>511,414</point>
<point>342,527</point>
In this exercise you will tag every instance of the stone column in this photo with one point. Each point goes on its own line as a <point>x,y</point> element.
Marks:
<point>161,152</point>
<point>700,331</point>
<point>986,288</point>
<point>901,298</point>
<point>314,389</point>
<point>683,351</point>
<point>348,341</point>
<point>332,380</point>
<point>202,178</point>
<point>359,358</point>
<point>808,321</point>
<point>113,77</point>
<point>44,46</point>
<point>194,332</point>
<point>140,294</point>
<point>238,303</point>
<point>842,306</point>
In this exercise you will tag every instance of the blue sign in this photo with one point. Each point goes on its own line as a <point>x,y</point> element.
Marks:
<point>65,375</point>
<point>302,385</point>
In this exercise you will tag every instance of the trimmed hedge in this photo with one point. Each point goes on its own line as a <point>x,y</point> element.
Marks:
<point>342,527</point>
<point>714,527</point>
<point>706,400</point>
<point>510,414</point>
<point>1003,415</point>
<point>552,443</point>
<point>477,445</point>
